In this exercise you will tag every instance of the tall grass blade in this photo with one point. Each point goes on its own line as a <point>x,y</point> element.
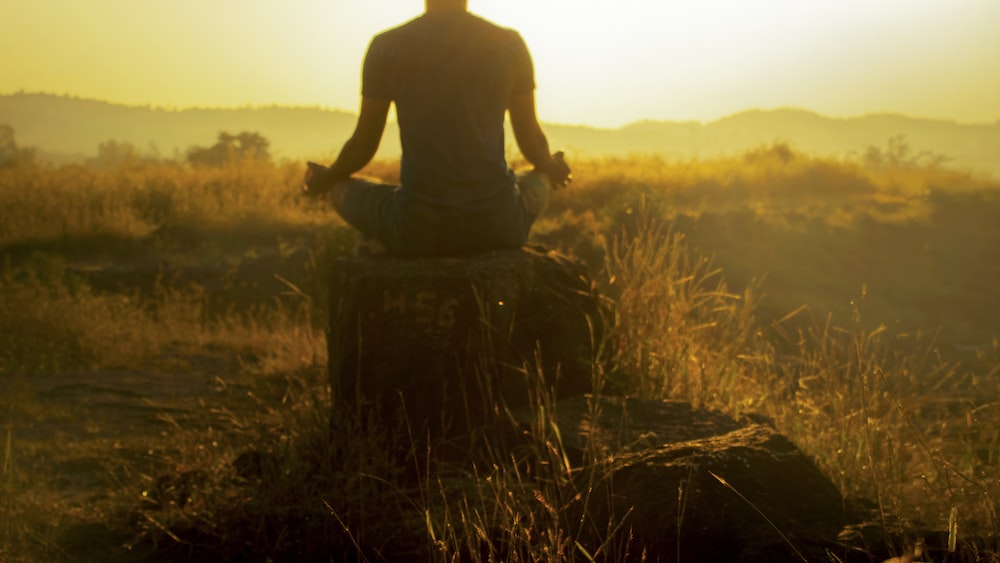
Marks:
<point>8,452</point>
<point>953,529</point>
<point>762,515</point>
<point>583,551</point>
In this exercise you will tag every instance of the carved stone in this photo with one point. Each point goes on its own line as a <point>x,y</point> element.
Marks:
<point>450,341</point>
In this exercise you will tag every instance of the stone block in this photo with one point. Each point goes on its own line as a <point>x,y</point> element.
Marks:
<point>451,342</point>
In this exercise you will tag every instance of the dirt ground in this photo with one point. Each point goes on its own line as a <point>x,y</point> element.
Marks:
<point>91,440</point>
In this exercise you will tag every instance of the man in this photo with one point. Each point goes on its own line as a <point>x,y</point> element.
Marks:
<point>453,77</point>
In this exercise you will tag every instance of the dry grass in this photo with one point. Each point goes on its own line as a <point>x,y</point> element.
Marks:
<point>76,202</point>
<point>886,412</point>
<point>884,415</point>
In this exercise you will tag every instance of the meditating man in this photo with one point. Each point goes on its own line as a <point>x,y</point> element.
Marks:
<point>453,77</point>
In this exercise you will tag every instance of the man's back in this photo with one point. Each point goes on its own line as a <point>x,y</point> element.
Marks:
<point>452,76</point>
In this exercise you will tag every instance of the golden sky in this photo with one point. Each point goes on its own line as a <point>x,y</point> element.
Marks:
<point>602,63</point>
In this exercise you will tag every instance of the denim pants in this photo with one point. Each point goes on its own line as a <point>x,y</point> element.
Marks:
<point>409,227</point>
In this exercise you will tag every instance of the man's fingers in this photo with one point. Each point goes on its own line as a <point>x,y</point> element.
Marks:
<point>565,172</point>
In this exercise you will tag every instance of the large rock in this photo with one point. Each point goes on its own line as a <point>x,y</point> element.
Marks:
<point>695,485</point>
<point>449,341</point>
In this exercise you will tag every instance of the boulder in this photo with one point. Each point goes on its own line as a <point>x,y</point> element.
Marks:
<point>446,343</point>
<point>691,484</point>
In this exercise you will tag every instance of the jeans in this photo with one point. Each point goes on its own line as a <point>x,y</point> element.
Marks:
<point>411,228</point>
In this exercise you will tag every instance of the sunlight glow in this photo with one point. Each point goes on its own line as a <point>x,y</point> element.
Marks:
<point>703,60</point>
<point>600,63</point>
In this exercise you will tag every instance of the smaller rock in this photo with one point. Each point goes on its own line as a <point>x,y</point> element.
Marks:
<point>692,484</point>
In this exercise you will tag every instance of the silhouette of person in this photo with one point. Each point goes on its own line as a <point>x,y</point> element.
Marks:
<point>453,77</point>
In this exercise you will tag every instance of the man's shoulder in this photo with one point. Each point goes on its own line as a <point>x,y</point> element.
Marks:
<point>427,24</point>
<point>479,20</point>
<point>390,33</point>
<point>486,25</point>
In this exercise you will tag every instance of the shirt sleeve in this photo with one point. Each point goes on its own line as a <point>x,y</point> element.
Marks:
<point>375,72</point>
<point>524,72</point>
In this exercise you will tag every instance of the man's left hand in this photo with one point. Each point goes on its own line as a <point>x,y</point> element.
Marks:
<point>315,182</point>
<point>558,171</point>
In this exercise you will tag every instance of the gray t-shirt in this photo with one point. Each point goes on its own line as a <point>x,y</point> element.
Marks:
<point>452,76</point>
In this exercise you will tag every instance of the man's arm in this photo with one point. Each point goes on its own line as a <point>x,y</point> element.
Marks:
<point>531,140</point>
<point>359,150</point>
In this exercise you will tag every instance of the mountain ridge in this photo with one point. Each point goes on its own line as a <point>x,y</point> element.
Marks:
<point>72,128</point>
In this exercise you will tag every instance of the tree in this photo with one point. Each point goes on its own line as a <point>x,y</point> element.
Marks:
<point>8,146</point>
<point>899,154</point>
<point>231,148</point>
<point>114,154</point>
<point>10,153</point>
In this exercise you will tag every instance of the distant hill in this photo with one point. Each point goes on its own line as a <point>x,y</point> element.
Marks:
<point>61,125</point>
<point>975,146</point>
<point>72,128</point>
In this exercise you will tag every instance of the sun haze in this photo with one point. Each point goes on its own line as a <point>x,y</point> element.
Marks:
<point>597,62</point>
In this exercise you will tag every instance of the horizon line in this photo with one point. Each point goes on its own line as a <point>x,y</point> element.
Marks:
<point>639,121</point>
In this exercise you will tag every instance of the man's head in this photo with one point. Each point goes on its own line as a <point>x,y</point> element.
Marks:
<point>447,5</point>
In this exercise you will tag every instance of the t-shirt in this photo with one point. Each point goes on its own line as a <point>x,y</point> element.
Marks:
<point>452,76</point>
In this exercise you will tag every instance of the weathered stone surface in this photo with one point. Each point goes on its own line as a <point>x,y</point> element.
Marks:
<point>694,485</point>
<point>615,425</point>
<point>448,338</point>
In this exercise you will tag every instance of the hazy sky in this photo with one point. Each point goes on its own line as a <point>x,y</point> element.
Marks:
<point>604,62</point>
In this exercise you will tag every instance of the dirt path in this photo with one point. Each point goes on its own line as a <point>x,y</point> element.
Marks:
<point>85,437</point>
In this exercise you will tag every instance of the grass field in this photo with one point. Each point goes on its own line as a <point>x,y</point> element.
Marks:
<point>162,352</point>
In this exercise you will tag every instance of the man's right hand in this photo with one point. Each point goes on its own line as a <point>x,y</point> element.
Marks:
<point>558,171</point>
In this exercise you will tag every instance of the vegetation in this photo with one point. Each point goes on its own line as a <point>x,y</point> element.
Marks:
<point>231,149</point>
<point>162,354</point>
<point>10,153</point>
<point>68,127</point>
